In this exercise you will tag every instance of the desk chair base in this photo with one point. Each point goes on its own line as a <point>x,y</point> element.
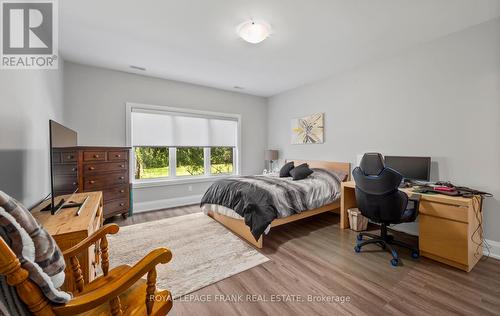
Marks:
<point>385,241</point>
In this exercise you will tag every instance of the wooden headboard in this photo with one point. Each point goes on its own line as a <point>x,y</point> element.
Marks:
<point>328,165</point>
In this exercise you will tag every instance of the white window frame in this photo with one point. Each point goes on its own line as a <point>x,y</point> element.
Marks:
<point>172,178</point>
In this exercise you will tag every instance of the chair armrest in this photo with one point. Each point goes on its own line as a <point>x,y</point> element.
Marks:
<point>113,289</point>
<point>415,198</point>
<point>89,241</point>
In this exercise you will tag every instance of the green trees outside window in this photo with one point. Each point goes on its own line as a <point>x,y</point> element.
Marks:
<point>153,162</point>
<point>221,160</point>
<point>190,161</point>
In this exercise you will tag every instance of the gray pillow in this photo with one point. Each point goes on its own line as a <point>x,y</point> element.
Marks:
<point>34,247</point>
<point>301,172</point>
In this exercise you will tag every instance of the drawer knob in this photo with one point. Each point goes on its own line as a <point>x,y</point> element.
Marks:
<point>122,166</point>
<point>96,156</point>
<point>121,178</point>
<point>122,204</point>
<point>74,169</point>
<point>117,156</point>
<point>122,191</point>
<point>92,181</point>
<point>91,168</point>
<point>74,183</point>
<point>69,157</point>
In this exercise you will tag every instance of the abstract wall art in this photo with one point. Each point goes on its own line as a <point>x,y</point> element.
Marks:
<point>308,129</point>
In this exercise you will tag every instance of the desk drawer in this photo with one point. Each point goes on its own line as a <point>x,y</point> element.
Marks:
<point>444,238</point>
<point>446,211</point>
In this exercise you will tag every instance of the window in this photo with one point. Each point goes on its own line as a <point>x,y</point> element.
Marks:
<point>170,143</point>
<point>190,161</point>
<point>221,160</point>
<point>151,162</point>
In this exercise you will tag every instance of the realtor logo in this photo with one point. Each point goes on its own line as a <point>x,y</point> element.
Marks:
<point>29,34</point>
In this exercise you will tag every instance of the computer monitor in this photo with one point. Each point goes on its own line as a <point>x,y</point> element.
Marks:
<point>411,168</point>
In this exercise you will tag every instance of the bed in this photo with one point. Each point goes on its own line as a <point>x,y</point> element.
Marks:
<point>279,200</point>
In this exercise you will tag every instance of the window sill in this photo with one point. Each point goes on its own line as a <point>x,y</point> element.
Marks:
<point>176,181</point>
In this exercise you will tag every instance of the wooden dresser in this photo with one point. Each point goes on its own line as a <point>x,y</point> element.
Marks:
<point>69,229</point>
<point>106,169</point>
<point>65,164</point>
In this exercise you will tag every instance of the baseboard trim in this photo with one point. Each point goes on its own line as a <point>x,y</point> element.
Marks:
<point>494,249</point>
<point>149,206</point>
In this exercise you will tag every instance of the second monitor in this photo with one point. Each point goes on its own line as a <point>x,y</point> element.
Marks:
<point>411,168</point>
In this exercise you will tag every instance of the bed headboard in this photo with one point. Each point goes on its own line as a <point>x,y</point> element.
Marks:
<point>328,165</point>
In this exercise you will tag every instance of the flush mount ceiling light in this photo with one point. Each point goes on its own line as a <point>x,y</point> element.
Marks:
<point>254,31</point>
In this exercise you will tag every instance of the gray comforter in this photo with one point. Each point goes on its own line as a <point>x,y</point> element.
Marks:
<point>261,199</point>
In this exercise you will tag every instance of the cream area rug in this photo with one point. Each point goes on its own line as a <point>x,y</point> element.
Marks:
<point>204,251</point>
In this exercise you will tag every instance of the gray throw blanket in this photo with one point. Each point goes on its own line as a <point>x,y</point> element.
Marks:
<point>261,199</point>
<point>35,248</point>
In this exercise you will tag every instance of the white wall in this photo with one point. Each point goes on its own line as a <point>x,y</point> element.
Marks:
<point>95,103</point>
<point>441,99</point>
<point>28,99</point>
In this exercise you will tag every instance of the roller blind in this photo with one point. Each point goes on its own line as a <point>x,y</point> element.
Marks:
<point>172,129</point>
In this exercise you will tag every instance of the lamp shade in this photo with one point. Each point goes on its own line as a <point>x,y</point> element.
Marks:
<point>271,154</point>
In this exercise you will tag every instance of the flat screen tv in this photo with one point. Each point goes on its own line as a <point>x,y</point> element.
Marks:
<point>63,165</point>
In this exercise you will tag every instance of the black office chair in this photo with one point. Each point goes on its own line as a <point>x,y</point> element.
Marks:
<point>380,200</point>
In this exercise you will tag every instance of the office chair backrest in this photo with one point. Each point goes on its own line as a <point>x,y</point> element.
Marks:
<point>377,193</point>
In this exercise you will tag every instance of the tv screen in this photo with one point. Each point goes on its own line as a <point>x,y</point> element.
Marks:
<point>63,161</point>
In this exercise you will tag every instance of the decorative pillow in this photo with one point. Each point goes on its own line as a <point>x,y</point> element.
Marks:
<point>35,248</point>
<point>285,170</point>
<point>301,172</point>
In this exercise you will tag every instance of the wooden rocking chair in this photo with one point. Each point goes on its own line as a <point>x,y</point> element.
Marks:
<point>120,291</point>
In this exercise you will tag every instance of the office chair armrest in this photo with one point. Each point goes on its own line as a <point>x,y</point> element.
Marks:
<point>415,198</point>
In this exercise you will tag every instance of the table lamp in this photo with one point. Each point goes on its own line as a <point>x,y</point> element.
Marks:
<point>271,155</point>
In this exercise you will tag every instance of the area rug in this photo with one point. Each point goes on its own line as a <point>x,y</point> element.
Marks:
<point>204,251</point>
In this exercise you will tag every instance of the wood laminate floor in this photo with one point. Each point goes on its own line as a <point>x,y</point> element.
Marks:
<point>314,259</point>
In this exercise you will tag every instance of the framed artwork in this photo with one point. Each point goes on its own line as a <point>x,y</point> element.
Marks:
<point>308,129</point>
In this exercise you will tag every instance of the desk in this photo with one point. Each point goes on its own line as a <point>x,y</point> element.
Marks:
<point>447,226</point>
<point>69,229</point>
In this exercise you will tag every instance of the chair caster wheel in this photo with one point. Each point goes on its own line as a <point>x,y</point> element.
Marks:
<point>359,237</point>
<point>394,262</point>
<point>357,248</point>
<point>415,254</point>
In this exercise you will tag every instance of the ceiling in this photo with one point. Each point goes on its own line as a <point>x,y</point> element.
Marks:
<point>195,40</point>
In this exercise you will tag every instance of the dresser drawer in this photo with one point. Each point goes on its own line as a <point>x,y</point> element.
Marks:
<point>120,192</point>
<point>68,169</point>
<point>68,156</point>
<point>96,182</point>
<point>94,155</point>
<point>90,167</point>
<point>117,155</point>
<point>116,207</point>
<point>447,211</point>
<point>65,184</point>
<point>56,157</point>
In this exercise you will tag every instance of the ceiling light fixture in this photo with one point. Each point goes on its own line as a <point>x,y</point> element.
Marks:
<point>254,32</point>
